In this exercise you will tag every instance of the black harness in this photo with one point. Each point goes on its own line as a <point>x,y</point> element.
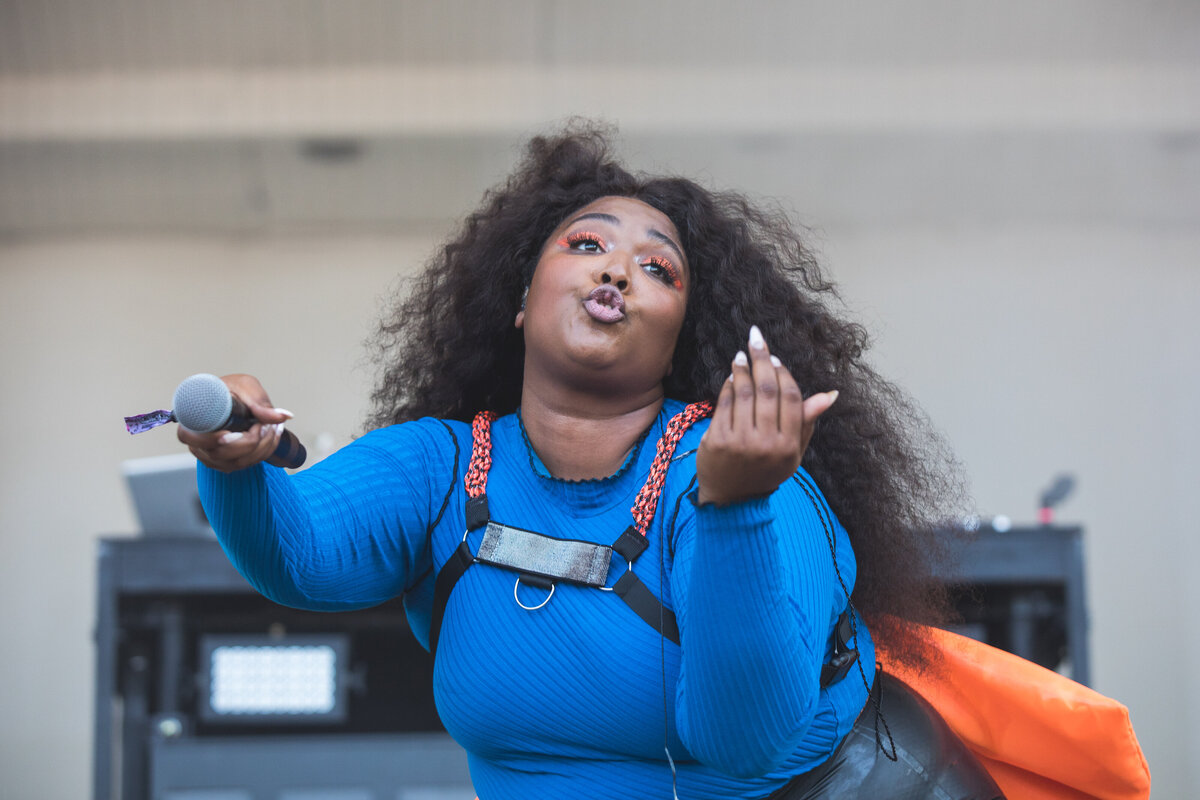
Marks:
<point>540,568</point>
<point>544,561</point>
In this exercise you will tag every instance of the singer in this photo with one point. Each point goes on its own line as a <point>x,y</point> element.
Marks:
<point>645,500</point>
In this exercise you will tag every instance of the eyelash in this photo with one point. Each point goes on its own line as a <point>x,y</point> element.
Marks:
<point>573,240</point>
<point>669,275</point>
<point>669,272</point>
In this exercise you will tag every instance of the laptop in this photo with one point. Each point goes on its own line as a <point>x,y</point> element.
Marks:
<point>163,490</point>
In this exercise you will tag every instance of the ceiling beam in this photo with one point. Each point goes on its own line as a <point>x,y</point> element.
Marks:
<point>507,101</point>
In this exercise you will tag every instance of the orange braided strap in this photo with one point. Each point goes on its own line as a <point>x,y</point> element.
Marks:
<point>646,502</point>
<point>481,454</point>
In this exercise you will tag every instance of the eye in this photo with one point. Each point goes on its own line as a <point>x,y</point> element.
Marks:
<point>664,270</point>
<point>584,242</point>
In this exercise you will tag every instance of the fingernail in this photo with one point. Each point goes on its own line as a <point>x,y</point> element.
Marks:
<point>833,396</point>
<point>279,428</point>
<point>230,437</point>
<point>285,412</point>
<point>740,359</point>
<point>730,378</point>
<point>756,338</point>
<point>775,362</point>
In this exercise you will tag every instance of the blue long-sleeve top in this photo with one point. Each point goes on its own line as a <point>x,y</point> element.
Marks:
<point>579,698</point>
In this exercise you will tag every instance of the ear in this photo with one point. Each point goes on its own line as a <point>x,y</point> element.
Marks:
<point>520,321</point>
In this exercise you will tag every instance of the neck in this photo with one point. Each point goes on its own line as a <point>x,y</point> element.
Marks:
<point>578,438</point>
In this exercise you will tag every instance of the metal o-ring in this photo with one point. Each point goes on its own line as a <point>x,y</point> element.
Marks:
<point>517,585</point>
<point>613,588</point>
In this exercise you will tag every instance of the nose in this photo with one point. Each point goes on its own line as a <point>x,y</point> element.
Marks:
<point>614,270</point>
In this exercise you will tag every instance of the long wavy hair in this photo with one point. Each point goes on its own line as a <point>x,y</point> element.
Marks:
<point>449,349</point>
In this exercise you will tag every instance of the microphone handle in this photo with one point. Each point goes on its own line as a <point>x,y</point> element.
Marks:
<point>289,453</point>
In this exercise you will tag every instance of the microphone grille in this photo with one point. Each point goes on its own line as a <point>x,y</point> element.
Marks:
<point>202,403</point>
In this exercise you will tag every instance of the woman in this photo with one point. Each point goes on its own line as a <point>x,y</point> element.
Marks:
<point>720,656</point>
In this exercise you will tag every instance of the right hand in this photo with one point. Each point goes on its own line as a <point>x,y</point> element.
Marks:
<point>228,451</point>
<point>760,428</point>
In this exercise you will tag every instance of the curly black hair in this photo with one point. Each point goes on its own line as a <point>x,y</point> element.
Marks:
<point>446,352</point>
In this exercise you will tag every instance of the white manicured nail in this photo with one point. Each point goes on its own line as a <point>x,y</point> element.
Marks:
<point>285,412</point>
<point>740,359</point>
<point>775,362</point>
<point>833,396</point>
<point>756,338</point>
<point>230,437</point>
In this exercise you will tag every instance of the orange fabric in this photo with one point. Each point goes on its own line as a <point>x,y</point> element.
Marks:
<point>1040,735</point>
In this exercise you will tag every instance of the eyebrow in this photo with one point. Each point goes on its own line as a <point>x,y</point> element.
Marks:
<point>652,233</point>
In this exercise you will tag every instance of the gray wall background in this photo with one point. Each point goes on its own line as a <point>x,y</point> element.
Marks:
<point>1008,193</point>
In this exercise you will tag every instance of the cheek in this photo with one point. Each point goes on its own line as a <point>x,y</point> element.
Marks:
<point>670,322</point>
<point>679,311</point>
<point>549,281</point>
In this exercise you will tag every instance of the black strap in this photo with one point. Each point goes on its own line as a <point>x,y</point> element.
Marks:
<point>458,563</point>
<point>477,512</point>
<point>451,571</point>
<point>630,544</point>
<point>643,602</point>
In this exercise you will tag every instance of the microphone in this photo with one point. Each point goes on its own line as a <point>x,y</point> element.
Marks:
<point>203,403</point>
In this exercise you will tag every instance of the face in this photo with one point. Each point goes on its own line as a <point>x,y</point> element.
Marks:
<point>607,299</point>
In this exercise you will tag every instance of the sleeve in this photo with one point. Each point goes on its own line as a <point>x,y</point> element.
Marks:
<point>756,593</point>
<point>349,532</point>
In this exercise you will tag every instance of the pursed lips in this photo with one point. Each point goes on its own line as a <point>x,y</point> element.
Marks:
<point>605,304</point>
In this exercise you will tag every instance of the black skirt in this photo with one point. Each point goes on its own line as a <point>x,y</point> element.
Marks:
<point>930,761</point>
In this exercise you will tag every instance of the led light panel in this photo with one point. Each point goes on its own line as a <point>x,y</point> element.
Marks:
<point>257,679</point>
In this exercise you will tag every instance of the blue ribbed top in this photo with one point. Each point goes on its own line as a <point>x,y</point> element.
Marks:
<point>578,698</point>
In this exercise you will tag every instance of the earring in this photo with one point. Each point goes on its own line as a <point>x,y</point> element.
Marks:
<point>524,297</point>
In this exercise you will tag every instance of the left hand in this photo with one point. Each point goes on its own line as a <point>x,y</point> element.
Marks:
<point>760,429</point>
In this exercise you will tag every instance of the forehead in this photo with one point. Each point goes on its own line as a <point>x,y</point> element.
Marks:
<point>631,212</point>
